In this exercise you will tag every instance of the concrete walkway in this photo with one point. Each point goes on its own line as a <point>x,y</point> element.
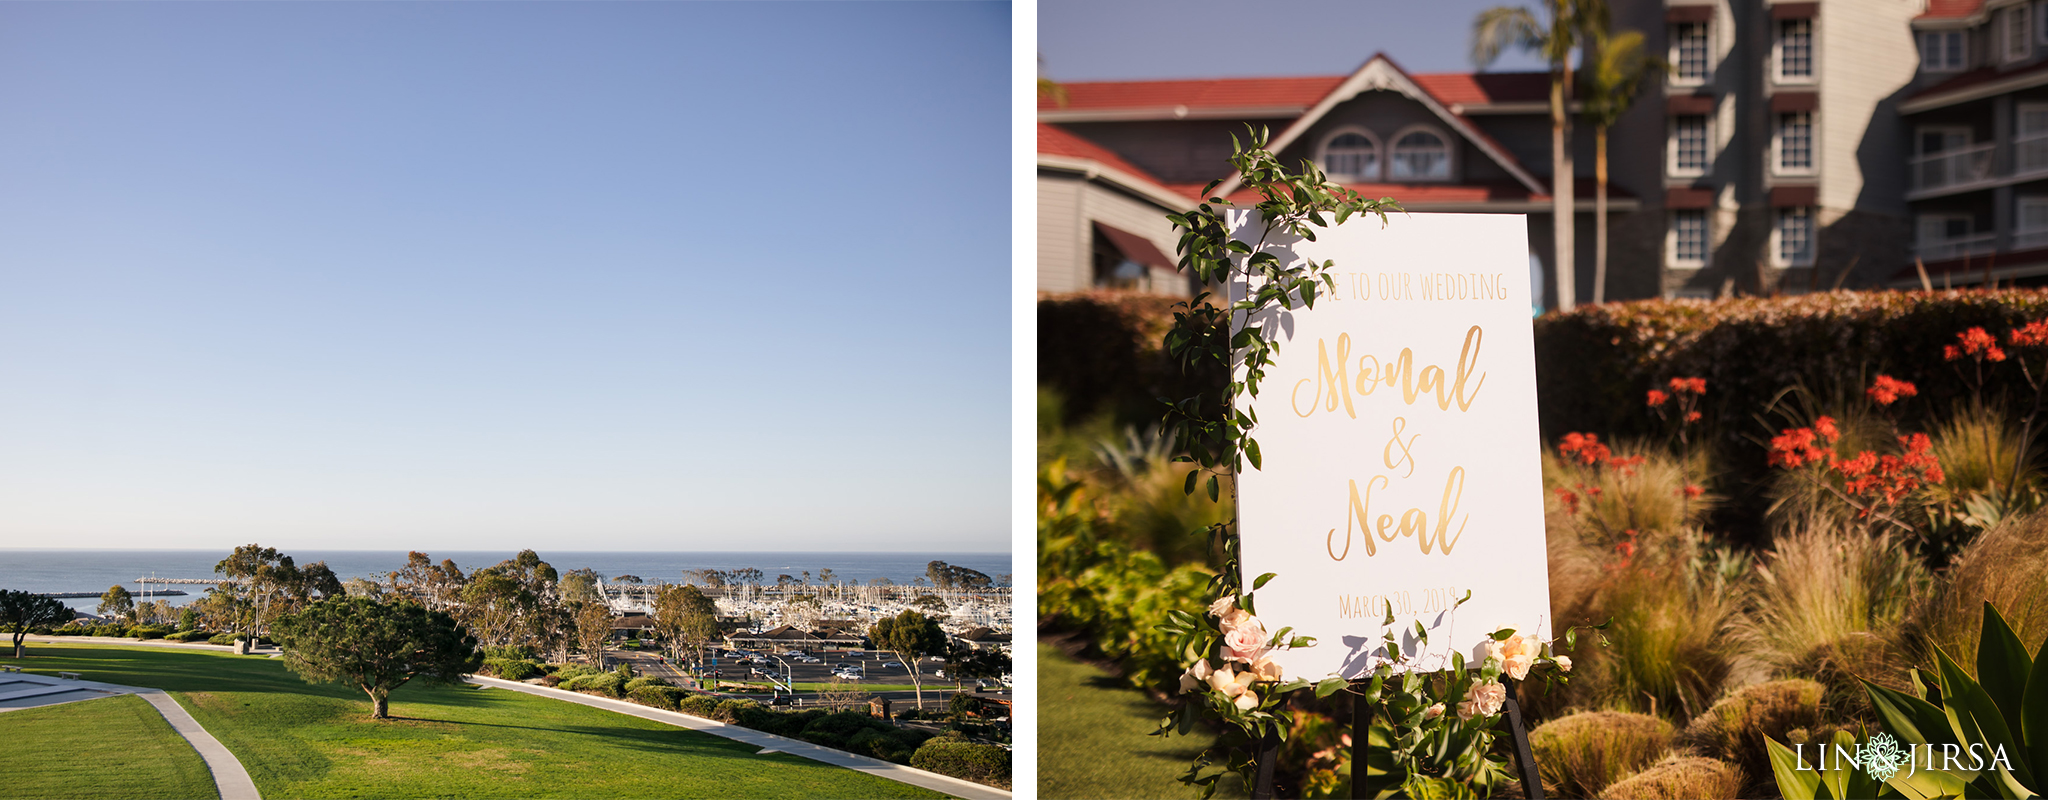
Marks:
<point>30,690</point>
<point>768,742</point>
<point>228,773</point>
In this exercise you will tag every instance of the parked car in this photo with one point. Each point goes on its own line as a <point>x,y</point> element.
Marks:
<point>888,664</point>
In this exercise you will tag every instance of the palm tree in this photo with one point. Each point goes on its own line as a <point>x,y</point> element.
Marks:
<point>1502,27</point>
<point>1613,75</point>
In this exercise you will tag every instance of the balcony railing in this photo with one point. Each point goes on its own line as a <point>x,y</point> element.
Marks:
<point>2030,239</point>
<point>1943,249</point>
<point>2030,153</point>
<point>1952,167</point>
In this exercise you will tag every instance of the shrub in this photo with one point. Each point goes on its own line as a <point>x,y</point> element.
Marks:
<point>511,669</point>
<point>1671,602</point>
<point>732,710</point>
<point>645,680</point>
<point>835,729</point>
<point>1582,754</point>
<point>567,671</point>
<point>147,632</point>
<point>224,638</point>
<point>609,684</point>
<point>551,681</point>
<point>1681,778</point>
<point>657,696</point>
<point>1735,728</point>
<point>114,631</point>
<point>185,636</point>
<point>702,705</point>
<point>981,763</point>
<point>2007,566</point>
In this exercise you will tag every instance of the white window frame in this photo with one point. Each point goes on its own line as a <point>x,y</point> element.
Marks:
<point>1676,55</point>
<point>1778,218</point>
<point>1778,54</point>
<point>1450,154</point>
<point>1961,55</point>
<point>1671,238</point>
<point>1671,146</point>
<point>1379,167</point>
<point>2016,35</point>
<point>1920,227</point>
<point>2019,221</point>
<point>1778,166</point>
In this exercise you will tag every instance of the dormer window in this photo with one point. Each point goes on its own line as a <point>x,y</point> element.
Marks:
<point>1420,155</point>
<point>1352,156</point>
<point>1942,51</point>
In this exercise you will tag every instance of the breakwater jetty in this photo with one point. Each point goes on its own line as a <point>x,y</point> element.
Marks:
<point>78,595</point>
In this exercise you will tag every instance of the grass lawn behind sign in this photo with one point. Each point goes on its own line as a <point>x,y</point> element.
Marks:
<point>1094,727</point>
<point>305,740</point>
<point>112,747</point>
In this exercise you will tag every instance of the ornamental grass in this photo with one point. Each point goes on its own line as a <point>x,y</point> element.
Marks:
<point>1833,604</point>
<point>2008,566</point>
<point>1734,729</point>
<point>1681,778</point>
<point>1582,754</point>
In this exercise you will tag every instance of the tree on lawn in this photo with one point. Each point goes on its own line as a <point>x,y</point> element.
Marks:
<point>376,647</point>
<point>25,610</point>
<point>117,602</point>
<point>911,636</point>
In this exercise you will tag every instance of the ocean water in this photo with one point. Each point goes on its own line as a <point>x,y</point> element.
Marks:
<point>52,570</point>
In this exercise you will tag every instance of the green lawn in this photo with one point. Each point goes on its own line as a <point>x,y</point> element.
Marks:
<point>302,740</point>
<point>112,747</point>
<point>1092,740</point>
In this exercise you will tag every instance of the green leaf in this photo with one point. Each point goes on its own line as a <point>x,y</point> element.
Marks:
<point>1329,686</point>
<point>1793,783</point>
<point>1911,719</point>
<point>1260,582</point>
<point>1214,491</point>
<point>1251,451</point>
<point>2034,713</point>
<point>2002,665</point>
<point>1973,716</point>
<point>1503,634</point>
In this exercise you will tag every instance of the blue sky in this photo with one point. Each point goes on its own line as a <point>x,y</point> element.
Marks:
<point>685,276</point>
<point>1085,40</point>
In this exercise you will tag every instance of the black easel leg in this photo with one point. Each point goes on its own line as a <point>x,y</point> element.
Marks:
<point>1361,738</point>
<point>1269,752</point>
<point>1532,783</point>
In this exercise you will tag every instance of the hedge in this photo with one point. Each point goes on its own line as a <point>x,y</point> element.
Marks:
<point>981,763</point>
<point>702,705</point>
<point>657,696</point>
<point>511,669</point>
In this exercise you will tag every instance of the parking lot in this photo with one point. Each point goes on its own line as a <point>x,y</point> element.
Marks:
<point>880,674</point>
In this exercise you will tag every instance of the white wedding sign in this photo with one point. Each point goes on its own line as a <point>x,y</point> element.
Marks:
<point>1397,428</point>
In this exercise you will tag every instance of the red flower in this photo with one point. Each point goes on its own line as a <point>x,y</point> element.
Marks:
<point>1570,500</point>
<point>2033,334</point>
<point>1976,344</point>
<point>1657,398</point>
<point>1825,426</point>
<point>1692,416</point>
<point>1887,390</point>
<point>1689,385</point>
<point>1585,446</point>
<point>1796,447</point>
<point>1690,491</point>
<point>1627,465</point>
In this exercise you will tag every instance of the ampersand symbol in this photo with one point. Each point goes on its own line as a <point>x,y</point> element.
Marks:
<point>1387,453</point>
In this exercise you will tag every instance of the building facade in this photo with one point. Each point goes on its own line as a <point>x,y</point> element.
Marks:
<point>1789,147</point>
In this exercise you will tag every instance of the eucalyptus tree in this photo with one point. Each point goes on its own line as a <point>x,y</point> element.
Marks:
<point>911,636</point>
<point>1616,71</point>
<point>116,602</point>
<point>684,618</point>
<point>1502,27</point>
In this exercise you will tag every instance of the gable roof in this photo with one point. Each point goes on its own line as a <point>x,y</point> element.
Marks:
<point>1060,148</point>
<point>1381,73</point>
<point>1951,10</point>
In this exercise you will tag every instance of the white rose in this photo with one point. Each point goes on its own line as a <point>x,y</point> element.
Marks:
<point>1223,606</point>
<point>1230,682</point>
<point>1246,641</point>
<point>1433,711</point>
<point>1193,678</point>
<point>1482,700</point>
<point>1266,668</point>
<point>1247,700</point>
<point>1235,617</point>
<point>1564,663</point>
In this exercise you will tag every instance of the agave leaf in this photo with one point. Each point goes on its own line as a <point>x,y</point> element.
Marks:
<point>2003,666</point>
<point>1910,719</point>
<point>2034,714</point>
<point>1973,716</point>
<point>1794,783</point>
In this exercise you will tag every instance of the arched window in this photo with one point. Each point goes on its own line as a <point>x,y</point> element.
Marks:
<point>1420,155</point>
<point>1352,156</point>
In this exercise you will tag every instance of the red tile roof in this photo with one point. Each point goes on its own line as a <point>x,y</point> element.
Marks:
<point>1195,94</point>
<point>1057,141</point>
<point>1974,77</point>
<point>1218,93</point>
<point>1950,9</point>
